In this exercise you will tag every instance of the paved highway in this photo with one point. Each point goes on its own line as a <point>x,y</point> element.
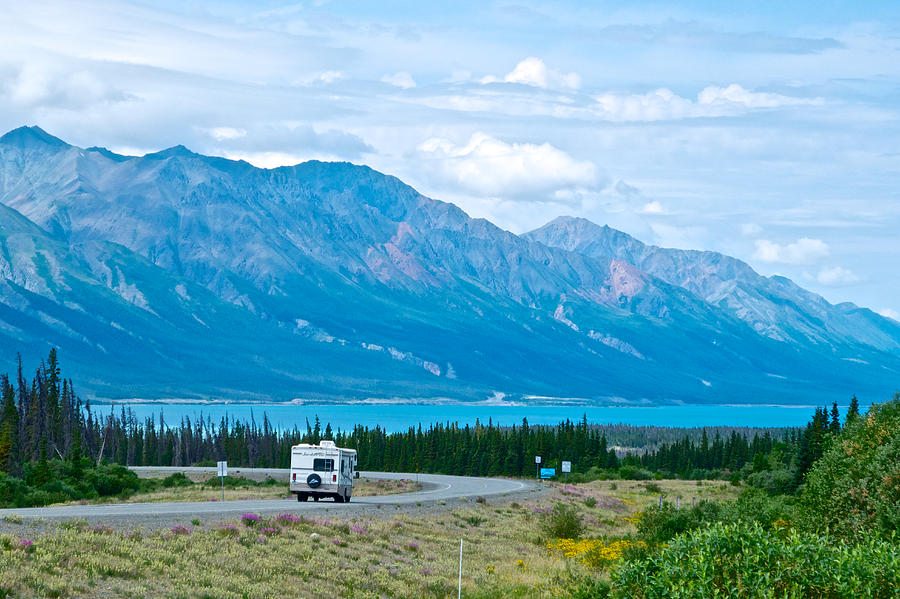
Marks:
<point>435,488</point>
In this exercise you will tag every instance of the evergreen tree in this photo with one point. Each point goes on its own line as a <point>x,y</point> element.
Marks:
<point>853,410</point>
<point>834,426</point>
<point>9,429</point>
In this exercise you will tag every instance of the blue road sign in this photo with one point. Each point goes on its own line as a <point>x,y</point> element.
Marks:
<point>548,472</point>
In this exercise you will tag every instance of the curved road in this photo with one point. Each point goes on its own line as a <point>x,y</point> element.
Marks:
<point>436,488</point>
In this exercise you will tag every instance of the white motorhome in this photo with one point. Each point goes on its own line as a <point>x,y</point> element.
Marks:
<point>322,470</point>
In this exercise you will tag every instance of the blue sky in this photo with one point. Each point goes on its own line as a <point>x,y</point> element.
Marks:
<point>765,130</point>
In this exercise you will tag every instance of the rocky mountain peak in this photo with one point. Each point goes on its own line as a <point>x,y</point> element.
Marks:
<point>337,279</point>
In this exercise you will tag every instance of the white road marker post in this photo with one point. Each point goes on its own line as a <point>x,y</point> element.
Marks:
<point>459,585</point>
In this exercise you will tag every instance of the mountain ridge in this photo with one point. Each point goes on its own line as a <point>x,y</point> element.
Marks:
<point>357,266</point>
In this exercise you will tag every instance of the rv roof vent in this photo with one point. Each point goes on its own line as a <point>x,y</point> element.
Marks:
<point>327,444</point>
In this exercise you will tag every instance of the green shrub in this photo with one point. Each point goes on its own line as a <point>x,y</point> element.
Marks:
<point>584,587</point>
<point>854,489</point>
<point>12,491</point>
<point>65,481</point>
<point>233,482</point>
<point>563,522</point>
<point>59,491</point>
<point>112,479</point>
<point>178,479</point>
<point>746,561</point>
<point>773,482</point>
<point>634,473</point>
<point>661,524</point>
<point>754,505</point>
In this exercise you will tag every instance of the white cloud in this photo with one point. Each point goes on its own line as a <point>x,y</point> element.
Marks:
<point>802,251</point>
<point>43,85</point>
<point>663,104</point>
<point>735,94</point>
<point>836,276</point>
<point>653,207</point>
<point>459,76</point>
<point>534,72</point>
<point>402,79</point>
<point>330,76</point>
<point>685,238</point>
<point>224,133</point>
<point>321,78</point>
<point>495,168</point>
<point>889,313</point>
<point>278,144</point>
<point>750,229</point>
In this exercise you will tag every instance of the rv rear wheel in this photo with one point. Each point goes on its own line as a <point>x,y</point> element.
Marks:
<point>302,496</point>
<point>347,498</point>
<point>339,499</point>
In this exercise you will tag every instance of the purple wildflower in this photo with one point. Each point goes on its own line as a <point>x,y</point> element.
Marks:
<point>181,530</point>
<point>289,518</point>
<point>250,519</point>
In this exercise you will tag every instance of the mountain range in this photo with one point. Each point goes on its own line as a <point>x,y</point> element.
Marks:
<point>181,276</point>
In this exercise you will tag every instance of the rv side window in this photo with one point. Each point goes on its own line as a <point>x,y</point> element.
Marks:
<point>323,465</point>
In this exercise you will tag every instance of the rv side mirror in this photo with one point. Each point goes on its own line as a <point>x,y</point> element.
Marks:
<point>357,474</point>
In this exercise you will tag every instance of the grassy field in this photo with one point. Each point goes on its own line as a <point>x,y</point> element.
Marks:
<point>505,552</point>
<point>363,487</point>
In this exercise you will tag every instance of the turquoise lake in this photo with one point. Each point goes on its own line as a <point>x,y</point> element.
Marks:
<point>396,417</point>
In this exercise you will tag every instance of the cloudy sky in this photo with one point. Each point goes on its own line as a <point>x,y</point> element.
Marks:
<point>767,130</point>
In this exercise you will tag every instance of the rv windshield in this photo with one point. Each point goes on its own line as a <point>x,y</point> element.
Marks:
<point>323,465</point>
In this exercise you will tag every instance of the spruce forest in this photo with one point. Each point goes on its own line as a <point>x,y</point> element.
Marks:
<point>54,447</point>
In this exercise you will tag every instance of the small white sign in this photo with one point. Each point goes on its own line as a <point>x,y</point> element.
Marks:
<point>537,459</point>
<point>567,466</point>
<point>223,469</point>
